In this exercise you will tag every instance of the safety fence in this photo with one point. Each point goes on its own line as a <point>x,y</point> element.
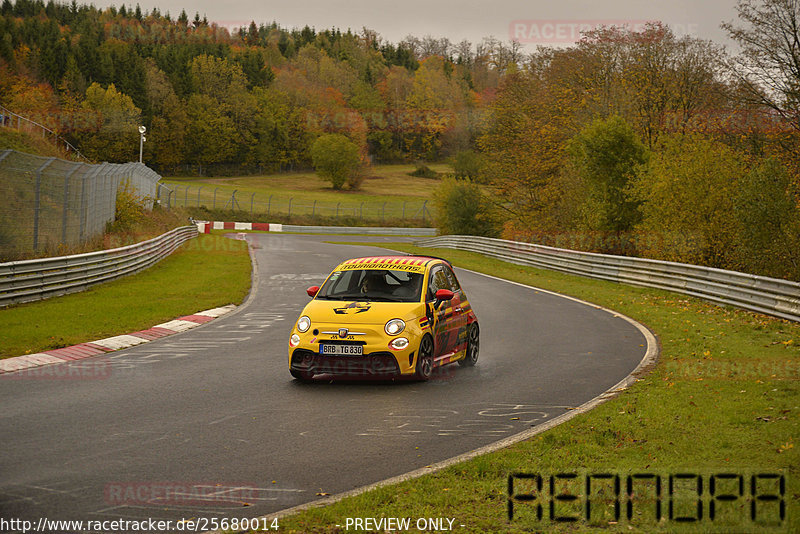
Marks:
<point>29,280</point>
<point>49,202</point>
<point>9,119</point>
<point>226,198</point>
<point>761,294</point>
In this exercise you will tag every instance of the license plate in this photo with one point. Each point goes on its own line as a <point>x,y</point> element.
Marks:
<point>341,350</point>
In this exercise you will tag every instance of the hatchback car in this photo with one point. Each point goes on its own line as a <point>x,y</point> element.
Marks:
<point>385,316</point>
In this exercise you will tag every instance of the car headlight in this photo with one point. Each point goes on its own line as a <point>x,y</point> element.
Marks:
<point>399,344</point>
<point>294,340</point>
<point>303,323</point>
<point>394,327</point>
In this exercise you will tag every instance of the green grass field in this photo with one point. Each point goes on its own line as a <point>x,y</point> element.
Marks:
<point>387,192</point>
<point>214,270</point>
<point>723,398</point>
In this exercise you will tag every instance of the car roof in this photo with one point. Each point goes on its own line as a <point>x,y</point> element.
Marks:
<point>405,262</point>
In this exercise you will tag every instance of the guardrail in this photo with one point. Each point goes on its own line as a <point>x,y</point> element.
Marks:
<point>771,296</point>
<point>29,280</point>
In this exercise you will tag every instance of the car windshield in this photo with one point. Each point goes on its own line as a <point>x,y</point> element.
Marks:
<point>372,285</point>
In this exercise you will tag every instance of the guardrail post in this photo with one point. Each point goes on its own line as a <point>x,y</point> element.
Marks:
<point>66,202</point>
<point>37,202</point>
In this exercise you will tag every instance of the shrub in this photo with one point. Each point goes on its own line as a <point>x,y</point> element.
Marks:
<point>463,208</point>
<point>336,158</point>
<point>423,171</point>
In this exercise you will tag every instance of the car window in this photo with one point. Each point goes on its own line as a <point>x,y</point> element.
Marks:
<point>451,278</point>
<point>372,284</point>
<point>438,280</point>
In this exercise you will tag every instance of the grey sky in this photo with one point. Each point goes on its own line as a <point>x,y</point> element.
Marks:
<point>546,21</point>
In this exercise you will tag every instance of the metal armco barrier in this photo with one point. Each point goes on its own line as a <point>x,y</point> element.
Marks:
<point>771,296</point>
<point>29,280</point>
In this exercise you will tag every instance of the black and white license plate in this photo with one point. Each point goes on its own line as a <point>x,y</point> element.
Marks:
<point>341,350</point>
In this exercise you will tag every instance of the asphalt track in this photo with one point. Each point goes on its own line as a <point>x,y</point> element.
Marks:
<point>215,410</point>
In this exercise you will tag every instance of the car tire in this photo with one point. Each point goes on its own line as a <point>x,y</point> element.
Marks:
<point>473,347</point>
<point>424,368</point>
<point>302,376</point>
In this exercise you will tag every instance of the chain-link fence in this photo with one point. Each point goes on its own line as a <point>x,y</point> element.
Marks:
<point>49,202</point>
<point>225,198</point>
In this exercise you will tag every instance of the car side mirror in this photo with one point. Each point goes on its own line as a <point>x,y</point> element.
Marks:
<point>312,291</point>
<point>443,295</point>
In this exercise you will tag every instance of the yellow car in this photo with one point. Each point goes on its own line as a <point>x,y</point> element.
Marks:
<point>385,316</point>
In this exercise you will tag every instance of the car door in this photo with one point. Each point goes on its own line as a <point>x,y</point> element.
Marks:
<point>459,317</point>
<point>444,328</point>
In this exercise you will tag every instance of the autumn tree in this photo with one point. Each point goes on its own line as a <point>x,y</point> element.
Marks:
<point>117,138</point>
<point>605,156</point>
<point>769,62</point>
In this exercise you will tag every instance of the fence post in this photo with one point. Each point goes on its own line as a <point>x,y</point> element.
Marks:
<point>215,198</point>
<point>361,211</point>
<point>186,197</point>
<point>383,212</point>
<point>404,209</point>
<point>198,196</point>
<point>269,204</point>
<point>290,206</point>
<point>66,202</point>
<point>37,202</point>
<point>314,208</point>
<point>424,209</point>
<point>337,209</point>
<point>252,197</point>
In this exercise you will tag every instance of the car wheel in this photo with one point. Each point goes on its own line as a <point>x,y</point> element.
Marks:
<point>473,347</point>
<point>303,376</point>
<point>425,358</point>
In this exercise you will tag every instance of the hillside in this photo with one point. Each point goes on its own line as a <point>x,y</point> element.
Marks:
<point>28,143</point>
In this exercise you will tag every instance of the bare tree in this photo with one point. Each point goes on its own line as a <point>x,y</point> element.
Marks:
<point>769,63</point>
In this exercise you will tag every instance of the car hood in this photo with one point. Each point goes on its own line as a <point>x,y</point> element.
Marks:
<point>360,312</point>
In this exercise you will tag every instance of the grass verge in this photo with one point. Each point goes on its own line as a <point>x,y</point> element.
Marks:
<point>724,398</point>
<point>212,270</point>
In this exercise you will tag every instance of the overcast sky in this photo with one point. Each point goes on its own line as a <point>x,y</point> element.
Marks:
<point>532,21</point>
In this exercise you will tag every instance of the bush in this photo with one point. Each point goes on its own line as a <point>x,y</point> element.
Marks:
<point>336,158</point>
<point>130,210</point>
<point>468,164</point>
<point>423,171</point>
<point>463,208</point>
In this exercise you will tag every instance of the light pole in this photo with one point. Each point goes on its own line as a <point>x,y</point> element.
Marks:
<point>142,139</point>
